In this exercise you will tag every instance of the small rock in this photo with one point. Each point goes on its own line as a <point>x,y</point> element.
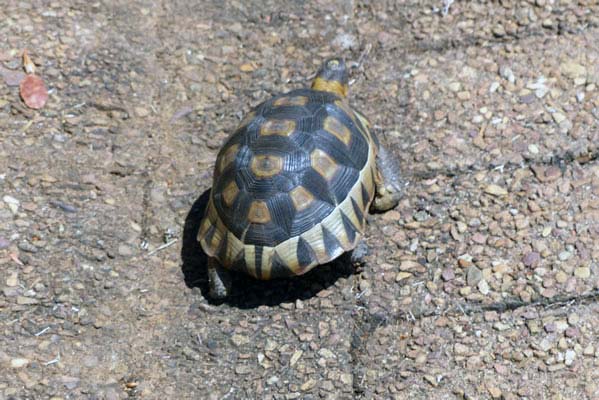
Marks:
<point>473,276</point>
<point>272,380</point>
<point>125,250</point>
<point>506,73</point>
<point>346,379</point>
<point>498,31</point>
<point>531,259</point>
<point>22,300</point>
<point>309,384</point>
<point>18,362</point>
<point>4,243</point>
<point>570,356</point>
<point>27,247</point>
<point>495,190</point>
<point>448,274</point>
<point>431,379</point>
<point>247,67</point>
<point>13,279</point>
<point>500,326</point>
<point>239,340</point>
<point>483,287</point>
<point>582,272</point>
<point>573,319</point>
<point>141,112</point>
<point>561,277</point>
<point>295,357</point>
<point>495,392</point>
<point>564,255</point>
<point>460,350</point>
<point>345,41</point>
<point>409,265</point>
<point>70,382</point>
<point>454,86</point>
<point>243,369</point>
<point>573,70</point>
<point>493,87</point>
<point>533,148</point>
<point>326,353</point>
<point>12,203</point>
<point>558,117</point>
<point>402,275</point>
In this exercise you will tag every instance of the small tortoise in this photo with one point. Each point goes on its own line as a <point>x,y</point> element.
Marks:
<point>293,184</point>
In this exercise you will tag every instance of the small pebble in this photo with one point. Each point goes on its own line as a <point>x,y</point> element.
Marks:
<point>19,362</point>
<point>495,190</point>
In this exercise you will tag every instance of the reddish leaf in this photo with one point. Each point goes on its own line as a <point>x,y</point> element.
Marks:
<point>33,91</point>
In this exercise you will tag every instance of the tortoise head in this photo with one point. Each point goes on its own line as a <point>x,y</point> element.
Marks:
<point>332,77</point>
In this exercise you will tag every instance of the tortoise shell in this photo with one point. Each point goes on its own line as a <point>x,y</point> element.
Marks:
<point>292,186</point>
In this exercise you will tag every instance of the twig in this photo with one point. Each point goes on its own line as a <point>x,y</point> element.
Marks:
<point>57,359</point>
<point>42,331</point>
<point>164,246</point>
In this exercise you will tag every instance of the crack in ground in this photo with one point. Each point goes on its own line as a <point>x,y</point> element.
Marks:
<point>146,213</point>
<point>365,324</point>
<point>562,161</point>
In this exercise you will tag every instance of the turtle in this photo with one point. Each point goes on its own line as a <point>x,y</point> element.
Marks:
<point>293,184</point>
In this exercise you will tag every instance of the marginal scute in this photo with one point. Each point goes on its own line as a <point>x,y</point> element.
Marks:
<point>342,104</point>
<point>323,164</point>
<point>350,229</point>
<point>305,253</point>
<point>249,117</point>
<point>331,243</point>
<point>358,212</point>
<point>265,165</point>
<point>227,157</point>
<point>366,197</point>
<point>281,127</point>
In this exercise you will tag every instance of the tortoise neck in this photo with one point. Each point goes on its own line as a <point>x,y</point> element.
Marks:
<point>330,85</point>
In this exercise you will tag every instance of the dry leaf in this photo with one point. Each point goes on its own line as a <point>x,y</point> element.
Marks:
<point>33,91</point>
<point>27,63</point>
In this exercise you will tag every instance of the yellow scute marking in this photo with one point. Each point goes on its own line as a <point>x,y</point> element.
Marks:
<point>323,164</point>
<point>230,193</point>
<point>281,127</point>
<point>265,166</point>
<point>290,101</point>
<point>301,198</point>
<point>333,126</point>
<point>227,157</point>
<point>258,213</point>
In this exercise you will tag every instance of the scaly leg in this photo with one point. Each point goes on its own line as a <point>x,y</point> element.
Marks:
<point>389,184</point>
<point>219,280</point>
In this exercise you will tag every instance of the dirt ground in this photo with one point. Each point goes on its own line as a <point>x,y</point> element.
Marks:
<point>483,283</point>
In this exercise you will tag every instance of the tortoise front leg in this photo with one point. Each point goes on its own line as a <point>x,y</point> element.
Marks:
<point>219,280</point>
<point>388,184</point>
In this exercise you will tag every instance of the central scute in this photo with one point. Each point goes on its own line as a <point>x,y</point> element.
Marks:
<point>288,166</point>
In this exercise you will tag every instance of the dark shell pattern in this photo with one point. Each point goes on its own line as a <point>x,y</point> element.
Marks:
<point>291,187</point>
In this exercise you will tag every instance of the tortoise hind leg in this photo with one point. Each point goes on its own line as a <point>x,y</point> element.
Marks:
<point>389,183</point>
<point>219,280</point>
